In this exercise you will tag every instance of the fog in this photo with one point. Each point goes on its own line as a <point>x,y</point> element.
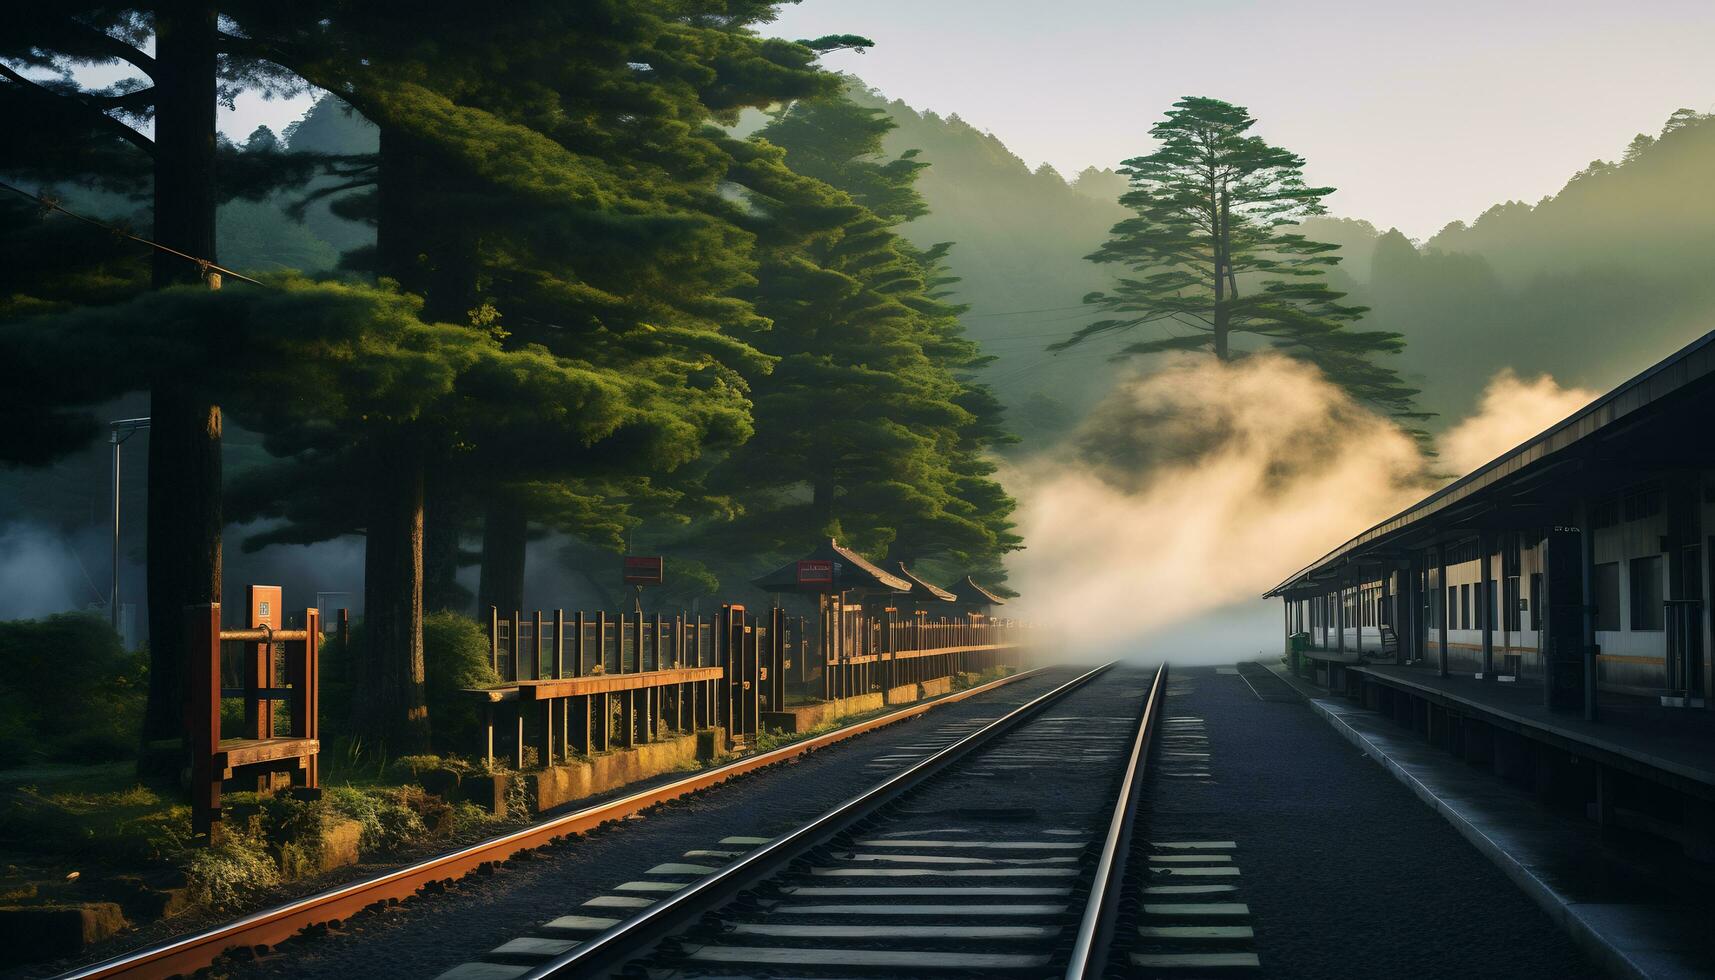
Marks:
<point>1512,410</point>
<point>1192,490</point>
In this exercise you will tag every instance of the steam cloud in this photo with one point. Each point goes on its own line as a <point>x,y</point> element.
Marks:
<point>1511,410</point>
<point>1192,490</point>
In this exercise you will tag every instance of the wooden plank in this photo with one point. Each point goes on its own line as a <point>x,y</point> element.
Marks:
<point>236,752</point>
<point>610,683</point>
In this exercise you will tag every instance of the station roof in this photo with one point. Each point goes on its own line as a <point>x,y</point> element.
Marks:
<point>851,571</point>
<point>1674,381</point>
<point>925,591</point>
<point>967,590</point>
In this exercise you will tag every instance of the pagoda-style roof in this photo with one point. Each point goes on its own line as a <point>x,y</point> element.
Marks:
<point>925,591</point>
<point>851,571</point>
<point>967,590</point>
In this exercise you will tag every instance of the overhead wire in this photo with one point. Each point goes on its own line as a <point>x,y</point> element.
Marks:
<point>205,265</point>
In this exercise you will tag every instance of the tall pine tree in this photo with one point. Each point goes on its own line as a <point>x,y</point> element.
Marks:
<point>1216,262</point>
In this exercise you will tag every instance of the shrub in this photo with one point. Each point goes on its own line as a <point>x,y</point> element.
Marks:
<point>226,876</point>
<point>389,822</point>
<point>68,691</point>
<point>455,657</point>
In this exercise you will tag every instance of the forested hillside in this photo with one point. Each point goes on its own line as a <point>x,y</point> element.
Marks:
<point>1019,240</point>
<point>1590,285</point>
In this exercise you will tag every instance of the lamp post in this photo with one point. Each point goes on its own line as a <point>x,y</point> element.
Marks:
<point>119,431</point>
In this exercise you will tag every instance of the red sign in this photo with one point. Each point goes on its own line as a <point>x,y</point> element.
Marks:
<point>816,573</point>
<point>643,569</point>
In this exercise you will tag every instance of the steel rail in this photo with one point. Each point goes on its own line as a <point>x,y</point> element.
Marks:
<point>1095,929</point>
<point>187,954</point>
<point>668,916</point>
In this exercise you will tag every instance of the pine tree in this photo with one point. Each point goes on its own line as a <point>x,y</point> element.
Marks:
<point>548,180</point>
<point>1215,258</point>
<point>867,427</point>
<point>94,134</point>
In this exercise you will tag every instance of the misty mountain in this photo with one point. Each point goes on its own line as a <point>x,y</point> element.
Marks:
<point>1020,236</point>
<point>1591,284</point>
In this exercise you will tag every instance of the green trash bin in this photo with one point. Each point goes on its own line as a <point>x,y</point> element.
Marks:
<point>1297,643</point>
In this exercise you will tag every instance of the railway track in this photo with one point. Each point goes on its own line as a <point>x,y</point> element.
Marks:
<point>1001,853</point>
<point>187,954</point>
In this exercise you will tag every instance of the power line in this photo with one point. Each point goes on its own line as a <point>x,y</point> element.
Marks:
<point>50,204</point>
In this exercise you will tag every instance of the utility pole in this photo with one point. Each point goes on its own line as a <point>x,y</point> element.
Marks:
<point>118,431</point>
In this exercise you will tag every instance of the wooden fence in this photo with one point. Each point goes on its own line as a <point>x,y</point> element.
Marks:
<point>864,651</point>
<point>589,683</point>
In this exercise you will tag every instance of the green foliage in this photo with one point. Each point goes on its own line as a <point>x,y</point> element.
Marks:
<point>230,875</point>
<point>130,827</point>
<point>390,822</point>
<point>868,426</point>
<point>68,691</point>
<point>455,653</point>
<point>1215,207</point>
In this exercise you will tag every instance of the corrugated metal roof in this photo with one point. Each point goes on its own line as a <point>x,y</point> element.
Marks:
<point>926,591</point>
<point>851,571</point>
<point>967,590</point>
<point>1692,363</point>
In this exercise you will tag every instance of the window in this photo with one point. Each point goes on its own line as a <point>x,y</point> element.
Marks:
<point>1452,607</point>
<point>1465,606</point>
<point>1605,591</point>
<point>1647,611</point>
<point>1536,600</point>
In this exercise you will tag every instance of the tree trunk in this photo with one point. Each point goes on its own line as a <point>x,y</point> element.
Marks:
<point>389,713</point>
<point>184,513</point>
<point>504,533</point>
<point>1223,265</point>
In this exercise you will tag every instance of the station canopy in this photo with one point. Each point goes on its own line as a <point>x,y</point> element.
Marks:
<point>850,571</point>
<point>925,591</point>
<point>1656,421</point>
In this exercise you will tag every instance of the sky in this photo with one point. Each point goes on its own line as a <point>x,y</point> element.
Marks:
<point>1420,113</point>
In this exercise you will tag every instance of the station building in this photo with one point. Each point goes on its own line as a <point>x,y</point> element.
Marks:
<point>1556,599</point>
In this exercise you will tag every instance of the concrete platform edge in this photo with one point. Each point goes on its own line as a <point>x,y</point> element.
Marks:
<point>1563,912</point>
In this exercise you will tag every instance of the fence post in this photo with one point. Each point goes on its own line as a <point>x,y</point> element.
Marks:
<point>203,629</point>
<point>493,639</point>
<point>307,695</point>
<point>535,646</point>
<point>559,643</point>
<point>517,644</point>
<point>578,644</point>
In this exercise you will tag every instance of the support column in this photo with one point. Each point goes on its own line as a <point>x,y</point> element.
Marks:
<point>1486,603</point>
<point>1588,543</point>
<point>1340,618</point>
<point>1441,604</point>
